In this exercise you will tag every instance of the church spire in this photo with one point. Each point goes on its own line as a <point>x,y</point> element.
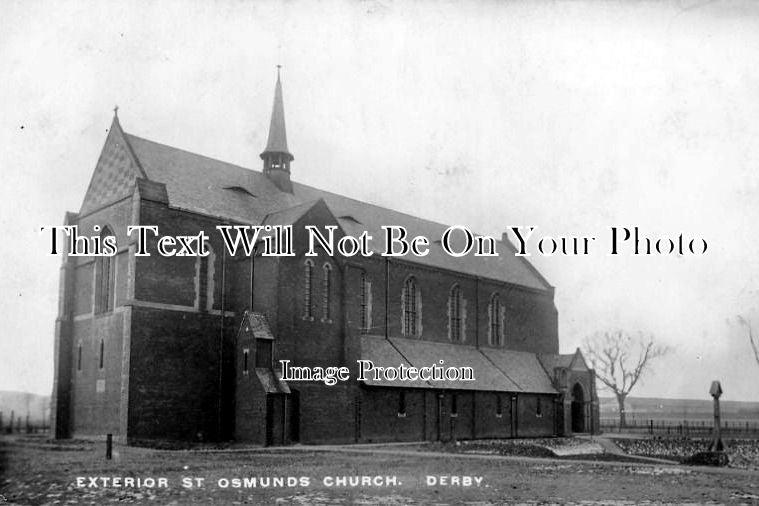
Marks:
<point>276,156</point>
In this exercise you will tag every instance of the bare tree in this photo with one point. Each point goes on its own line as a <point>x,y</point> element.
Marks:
<point>745,322</point>
<point>620,359</point>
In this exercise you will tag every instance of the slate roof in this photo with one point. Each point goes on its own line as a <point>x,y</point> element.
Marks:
<point>256,324</point>
<point>271,381</point>
<point>382,353</point>
<point>494,370</point>
<point>523,368</point>
<point>575,361</point>
<point>204,185</point>
<point>551,361</point>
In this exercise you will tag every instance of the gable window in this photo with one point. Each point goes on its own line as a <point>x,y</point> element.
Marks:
<point>104,275</point>
<point>366,294</point>
<point>496,327</point>
<point>455,314</point>
<point>245,355</point>
<point>308,272</point>
<point>102,353</point>
<point>326,286</point>
<point>204,285</point>
<point>411,303</point>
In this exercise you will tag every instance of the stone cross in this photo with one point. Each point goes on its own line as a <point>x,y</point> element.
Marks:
<point>716,444</point>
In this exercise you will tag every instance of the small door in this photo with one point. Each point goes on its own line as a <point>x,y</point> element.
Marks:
<point>275,419</point>
<point>578,409</point>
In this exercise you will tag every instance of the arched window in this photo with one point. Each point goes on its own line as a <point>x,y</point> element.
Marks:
<point>326,287</point>
<point>204,281</point>
<point>411,308</point>
<point>79,356</point>
<point>365,301</point>
<point>456,314</point>
<point>308,272</point>
<point>496,327</point>
<point>101,362</point>
<point>105,270</point>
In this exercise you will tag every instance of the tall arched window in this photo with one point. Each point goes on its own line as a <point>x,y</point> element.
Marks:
<point>496,327</point>
<point>308,273</point>
<point>455,314</point>
<point>204,281</point>
<point>101,361</point>
<point>411,308</point>
<point>326,287</point>
<point>105,270</point>
<point>365,301</point>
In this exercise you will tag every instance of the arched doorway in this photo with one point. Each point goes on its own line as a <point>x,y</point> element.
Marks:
<point>578,409</point>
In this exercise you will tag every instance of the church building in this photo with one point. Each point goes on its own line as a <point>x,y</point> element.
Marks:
<point>153,347</point>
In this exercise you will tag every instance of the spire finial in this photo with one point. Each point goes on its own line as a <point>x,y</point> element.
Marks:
<point>116,111</point>
<point>276,156</point>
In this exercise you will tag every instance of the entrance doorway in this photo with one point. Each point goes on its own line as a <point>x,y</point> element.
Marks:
<point>578,409</point>
<point>294,412</point>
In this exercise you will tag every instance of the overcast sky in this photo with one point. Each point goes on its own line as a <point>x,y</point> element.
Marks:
<point>572,117</point>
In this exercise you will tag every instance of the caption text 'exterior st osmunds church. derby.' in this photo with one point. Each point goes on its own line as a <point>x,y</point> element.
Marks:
<point>188,348</point>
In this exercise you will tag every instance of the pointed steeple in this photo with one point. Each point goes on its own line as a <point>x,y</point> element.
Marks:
<point>276,156</point>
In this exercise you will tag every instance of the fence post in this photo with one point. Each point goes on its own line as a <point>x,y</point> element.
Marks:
<point>108,446</point>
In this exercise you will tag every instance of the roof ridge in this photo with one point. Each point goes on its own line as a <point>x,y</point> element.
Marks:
<point>297,183</point>
<point>176,164</point>
<point>193,153</point>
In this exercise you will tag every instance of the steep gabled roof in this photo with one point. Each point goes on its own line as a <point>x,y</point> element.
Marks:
<point>115,173</point>
<point>204,185</point>
<point>551,361</point>
<point>575,361</point>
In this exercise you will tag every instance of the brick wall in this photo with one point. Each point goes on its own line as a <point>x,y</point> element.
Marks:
<point>532,423</point>
<point>174,389</point>
<point>488,422</point>
<point>326,412</point>
<point>530,319</point>
<point>380,419</point>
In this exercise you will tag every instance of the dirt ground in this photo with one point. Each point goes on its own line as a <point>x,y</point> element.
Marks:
<point>36,471</point>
